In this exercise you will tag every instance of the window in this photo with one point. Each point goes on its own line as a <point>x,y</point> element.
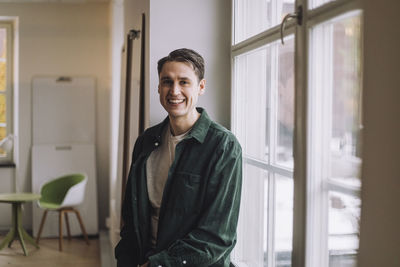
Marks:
<point>304,97</point>
<point>264,124</point>
<point>6,85</point>
<point>334,147</point>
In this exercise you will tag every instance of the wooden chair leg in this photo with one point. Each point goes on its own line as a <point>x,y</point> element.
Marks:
<point>67,224</point>
<point>9,244</point>
<point>41,226</point>
<point>60,229</point>
<point>82,226</point>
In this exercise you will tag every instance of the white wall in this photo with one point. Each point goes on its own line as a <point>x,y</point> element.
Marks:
<point>380,216</point>
<point>6,185</point>
<point>117,42</point>
<point>62,39</point>
<point>204,26</point>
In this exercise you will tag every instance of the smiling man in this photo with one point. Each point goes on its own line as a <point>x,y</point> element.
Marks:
<point>183,194</point>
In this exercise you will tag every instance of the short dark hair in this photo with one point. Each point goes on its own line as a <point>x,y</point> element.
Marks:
<point>184,55</point>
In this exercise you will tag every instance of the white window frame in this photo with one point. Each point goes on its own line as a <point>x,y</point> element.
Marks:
<point>9,91</point>
<point>307,241</point>
<point>259,41</point>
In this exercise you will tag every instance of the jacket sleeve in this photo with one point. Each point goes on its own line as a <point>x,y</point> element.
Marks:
<point>215,235</point>
<point>126,249</point>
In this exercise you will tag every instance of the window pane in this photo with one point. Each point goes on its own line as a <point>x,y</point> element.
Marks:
<point>3,46</point>
<point>2,109</point>
<point>317,3</point>
<point>3,43</point>
<point>3,133</point>
<point>3,75</point>
<point>285,107</point>
<point>252,230</point>
<point>263,122</point>
<point>255,16</point>
<point>5,90</point>
<point>346,101</point>
<point>335,93</point>
<point>283,221</point>
<point>344,218</point>
<point>252,102</point>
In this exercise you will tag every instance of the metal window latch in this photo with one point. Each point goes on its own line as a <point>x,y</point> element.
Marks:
<point>296,15</point>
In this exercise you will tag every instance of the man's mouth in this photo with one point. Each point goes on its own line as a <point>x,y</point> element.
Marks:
<point>176,101</point>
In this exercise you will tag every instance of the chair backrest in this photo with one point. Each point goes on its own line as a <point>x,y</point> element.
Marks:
<point>67,190</point>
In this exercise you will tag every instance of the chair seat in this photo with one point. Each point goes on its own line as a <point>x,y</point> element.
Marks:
<point>49,205</point>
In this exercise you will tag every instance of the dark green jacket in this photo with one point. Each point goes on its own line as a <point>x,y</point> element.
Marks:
<point>200,204</point>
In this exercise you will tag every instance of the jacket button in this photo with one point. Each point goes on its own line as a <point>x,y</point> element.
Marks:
<point>156,144</point>
<point>184,262</point>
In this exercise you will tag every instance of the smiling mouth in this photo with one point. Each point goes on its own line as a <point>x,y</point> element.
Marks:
<point>176,101</point>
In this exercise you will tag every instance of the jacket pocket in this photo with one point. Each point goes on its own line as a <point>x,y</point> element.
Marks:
<point>185,193</point>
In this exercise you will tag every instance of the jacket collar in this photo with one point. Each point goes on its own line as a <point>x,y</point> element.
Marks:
<point>201,126</point>
<point>198,132</point>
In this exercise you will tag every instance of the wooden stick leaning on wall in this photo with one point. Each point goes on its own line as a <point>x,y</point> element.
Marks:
<point>142,78</point>
<point>133,34</point>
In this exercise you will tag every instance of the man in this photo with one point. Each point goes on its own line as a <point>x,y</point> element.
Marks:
<point>183,193</point>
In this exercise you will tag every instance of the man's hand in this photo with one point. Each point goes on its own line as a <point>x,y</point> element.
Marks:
<point>145,265</point>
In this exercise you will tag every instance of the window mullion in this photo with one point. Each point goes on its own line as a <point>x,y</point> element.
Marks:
<point>300,143</point>
<point>320,130</point>
<point>273,104</point>
<point>262,39</point>
<point>326,131</point>
<point>354,191</point>
<point>272,151</point>
<point>271,219</point>
<point>271,168</point>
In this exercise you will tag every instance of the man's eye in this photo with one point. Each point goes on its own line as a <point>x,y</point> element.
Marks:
<point>184,82</point>
<point>167,82</point>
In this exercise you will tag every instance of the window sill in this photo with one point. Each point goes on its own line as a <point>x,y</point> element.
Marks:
<point>7,165</point>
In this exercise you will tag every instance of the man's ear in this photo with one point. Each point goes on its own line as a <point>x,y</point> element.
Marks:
<point>202,86</point>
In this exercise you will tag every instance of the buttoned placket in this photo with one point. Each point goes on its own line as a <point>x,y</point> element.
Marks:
<point>143,157</point>
<point>178,151</point>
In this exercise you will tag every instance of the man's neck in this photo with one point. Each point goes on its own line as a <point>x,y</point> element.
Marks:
<point>180,125</point>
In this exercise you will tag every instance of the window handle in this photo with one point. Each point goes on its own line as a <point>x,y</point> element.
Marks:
<point>296,15</point>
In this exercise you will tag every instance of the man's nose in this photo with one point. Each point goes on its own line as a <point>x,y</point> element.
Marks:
<point>175,89</point>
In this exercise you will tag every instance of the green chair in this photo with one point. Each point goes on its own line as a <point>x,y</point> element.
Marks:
<point>63,194</point>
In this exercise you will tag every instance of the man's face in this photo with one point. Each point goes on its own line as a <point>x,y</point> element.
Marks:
<point>179,89</point>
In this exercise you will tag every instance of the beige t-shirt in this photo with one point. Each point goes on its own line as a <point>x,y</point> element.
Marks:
<point>157,168</point>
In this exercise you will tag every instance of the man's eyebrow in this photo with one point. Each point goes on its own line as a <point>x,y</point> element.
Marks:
<point>179,78</point>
